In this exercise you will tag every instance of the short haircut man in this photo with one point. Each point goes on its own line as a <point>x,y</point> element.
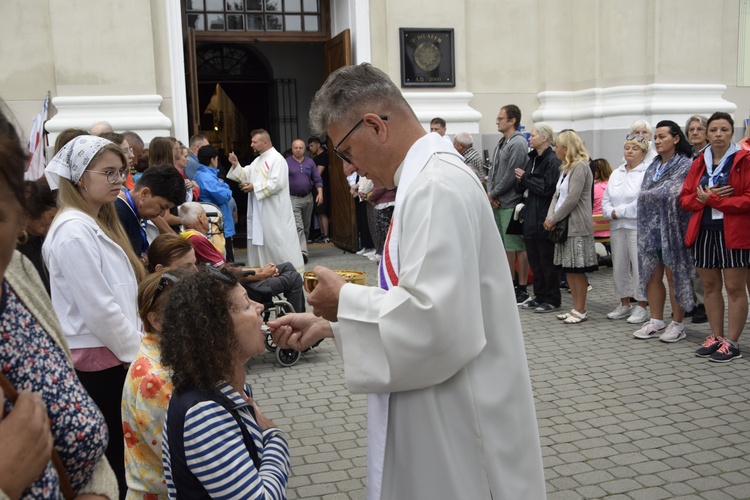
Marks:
<point>464,144</point>
<point>195,143</point>
<point>206,154</point>
<point>160,188</point>
<point>271,232</point>
<point>267,281</point>
<point>398,341</point>
<point>510,153</point>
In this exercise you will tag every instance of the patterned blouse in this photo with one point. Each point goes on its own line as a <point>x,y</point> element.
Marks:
<point>662,224</point>
<point>31,360</point>
<point>145,399</point>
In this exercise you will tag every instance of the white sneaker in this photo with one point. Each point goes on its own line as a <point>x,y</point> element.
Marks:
<point>640,315</point>
<point>673,333</point>
<point>374,257</point>
<point>648,331</point>
<point>369,251</point>
<point>362,251</point>
<point>620,312</point>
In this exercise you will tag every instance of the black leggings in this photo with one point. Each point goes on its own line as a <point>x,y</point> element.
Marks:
<point>289,282</point>
<point>105,388</point>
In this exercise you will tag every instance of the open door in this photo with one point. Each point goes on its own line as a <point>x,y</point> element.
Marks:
<point>192,83</point>
<point>338,53</point>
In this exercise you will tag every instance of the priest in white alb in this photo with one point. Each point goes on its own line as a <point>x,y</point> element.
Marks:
<point>271,231</point>
<point>438,345</point>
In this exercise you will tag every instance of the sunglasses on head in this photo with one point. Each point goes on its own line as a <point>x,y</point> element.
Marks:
<point>638,138</point>
<point>165,282</point>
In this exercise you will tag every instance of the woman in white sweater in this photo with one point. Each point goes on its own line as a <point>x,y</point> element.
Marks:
<point>620,205</point>
<point>94,276</point>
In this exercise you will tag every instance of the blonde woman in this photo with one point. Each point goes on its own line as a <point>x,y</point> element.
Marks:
<point>94,275</point>
<point>572,200</point>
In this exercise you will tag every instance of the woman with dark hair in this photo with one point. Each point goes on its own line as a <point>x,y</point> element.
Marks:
<point>661,230</point>
<point>52,410</point>
<point>602,170</point>
<point>41,207</point>
<point>66,136</point>
<point>147,390</point>
<point>717,192</point>
<point>223,459</point>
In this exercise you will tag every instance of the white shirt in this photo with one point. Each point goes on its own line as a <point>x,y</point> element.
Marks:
<point>621,196</point>
<point>93,285</point>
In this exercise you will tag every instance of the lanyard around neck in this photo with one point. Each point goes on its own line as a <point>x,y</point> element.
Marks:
<point>141,222</point>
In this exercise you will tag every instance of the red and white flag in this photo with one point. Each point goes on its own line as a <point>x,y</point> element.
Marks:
<point>37,160</point>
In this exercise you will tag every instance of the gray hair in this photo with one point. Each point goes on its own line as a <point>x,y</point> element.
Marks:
<point>464,138</point>
<point>189,213</point>
<point>696,118</point>
<point>545,131</point>
<point>348,92</point>
<point>133,139</point>
<point>642,123</point>
<point>100,128</point>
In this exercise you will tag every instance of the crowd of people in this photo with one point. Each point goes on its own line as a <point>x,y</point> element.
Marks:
<point>675,208</point>
<point>124,316</point>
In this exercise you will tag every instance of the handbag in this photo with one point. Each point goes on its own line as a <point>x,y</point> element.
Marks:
<point>65,486</point>
<point>560,233</point>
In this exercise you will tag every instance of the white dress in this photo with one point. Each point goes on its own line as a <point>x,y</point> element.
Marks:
<point>271,231</point>
<point>443,349</point>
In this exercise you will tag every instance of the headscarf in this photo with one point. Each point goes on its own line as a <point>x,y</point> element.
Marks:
<point>71,161</point>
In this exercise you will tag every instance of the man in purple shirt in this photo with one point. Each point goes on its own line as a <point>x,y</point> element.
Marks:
<point>303,178</point>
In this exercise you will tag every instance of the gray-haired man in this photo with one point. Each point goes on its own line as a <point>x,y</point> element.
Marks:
<point>439,424</point>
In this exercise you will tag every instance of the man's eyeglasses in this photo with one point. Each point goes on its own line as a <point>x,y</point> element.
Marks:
<point>112,175</point>
<point>336,148</point>
<point>637,138</point>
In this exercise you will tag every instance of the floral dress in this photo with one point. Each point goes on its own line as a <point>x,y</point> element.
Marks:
<point>145,399</point>
<point>31,360</point>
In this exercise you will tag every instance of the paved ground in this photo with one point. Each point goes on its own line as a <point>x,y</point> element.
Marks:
<point>619,418</point>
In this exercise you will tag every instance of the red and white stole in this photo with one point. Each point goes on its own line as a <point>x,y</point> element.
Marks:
<point>418,157</point>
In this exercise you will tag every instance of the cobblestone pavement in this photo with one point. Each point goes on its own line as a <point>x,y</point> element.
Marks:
<point>619,418</point>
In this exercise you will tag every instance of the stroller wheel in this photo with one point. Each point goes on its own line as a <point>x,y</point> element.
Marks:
<point>287,357</point>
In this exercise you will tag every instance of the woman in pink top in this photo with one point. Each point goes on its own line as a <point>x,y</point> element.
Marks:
<point>602,170</point>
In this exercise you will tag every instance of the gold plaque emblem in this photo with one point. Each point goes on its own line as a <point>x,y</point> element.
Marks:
<point>427,56</point>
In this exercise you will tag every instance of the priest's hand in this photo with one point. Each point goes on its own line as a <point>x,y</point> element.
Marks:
<point>325,298</point>
<point>299,331</point>
<point>246,187</point>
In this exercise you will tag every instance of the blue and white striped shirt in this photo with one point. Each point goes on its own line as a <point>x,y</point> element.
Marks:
<point>216,454</point>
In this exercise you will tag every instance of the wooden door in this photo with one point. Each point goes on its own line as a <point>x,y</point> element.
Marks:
<point>343,225</point>
<point>192,83</point>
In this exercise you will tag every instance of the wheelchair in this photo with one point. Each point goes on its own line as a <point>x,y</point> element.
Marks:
<point>273,309</point>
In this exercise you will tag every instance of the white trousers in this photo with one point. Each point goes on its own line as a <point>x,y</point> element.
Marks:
<point>624,244</point>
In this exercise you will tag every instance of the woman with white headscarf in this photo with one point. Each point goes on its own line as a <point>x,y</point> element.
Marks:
<point>94,276</point>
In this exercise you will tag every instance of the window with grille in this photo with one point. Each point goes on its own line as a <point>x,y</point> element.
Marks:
<point>254,15</point>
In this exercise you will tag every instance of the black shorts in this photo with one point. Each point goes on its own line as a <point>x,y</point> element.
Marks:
<point>711,252</point>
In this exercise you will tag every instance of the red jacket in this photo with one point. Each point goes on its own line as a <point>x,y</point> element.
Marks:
<point>736,208</point>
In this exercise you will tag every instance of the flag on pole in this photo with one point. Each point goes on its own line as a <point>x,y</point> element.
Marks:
<point>37,160</point>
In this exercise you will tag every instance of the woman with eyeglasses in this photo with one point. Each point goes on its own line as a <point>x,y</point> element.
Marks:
<point>620,206</point>
<point>661,230</point>
<point>216,441</point>
<point>94,275</point>
<point>695,131</point>
<point>121,141</point>
<point>148,388</point>
<point>717,192</point>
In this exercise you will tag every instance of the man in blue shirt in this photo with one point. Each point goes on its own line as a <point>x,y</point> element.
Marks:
<point>216,191</point>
